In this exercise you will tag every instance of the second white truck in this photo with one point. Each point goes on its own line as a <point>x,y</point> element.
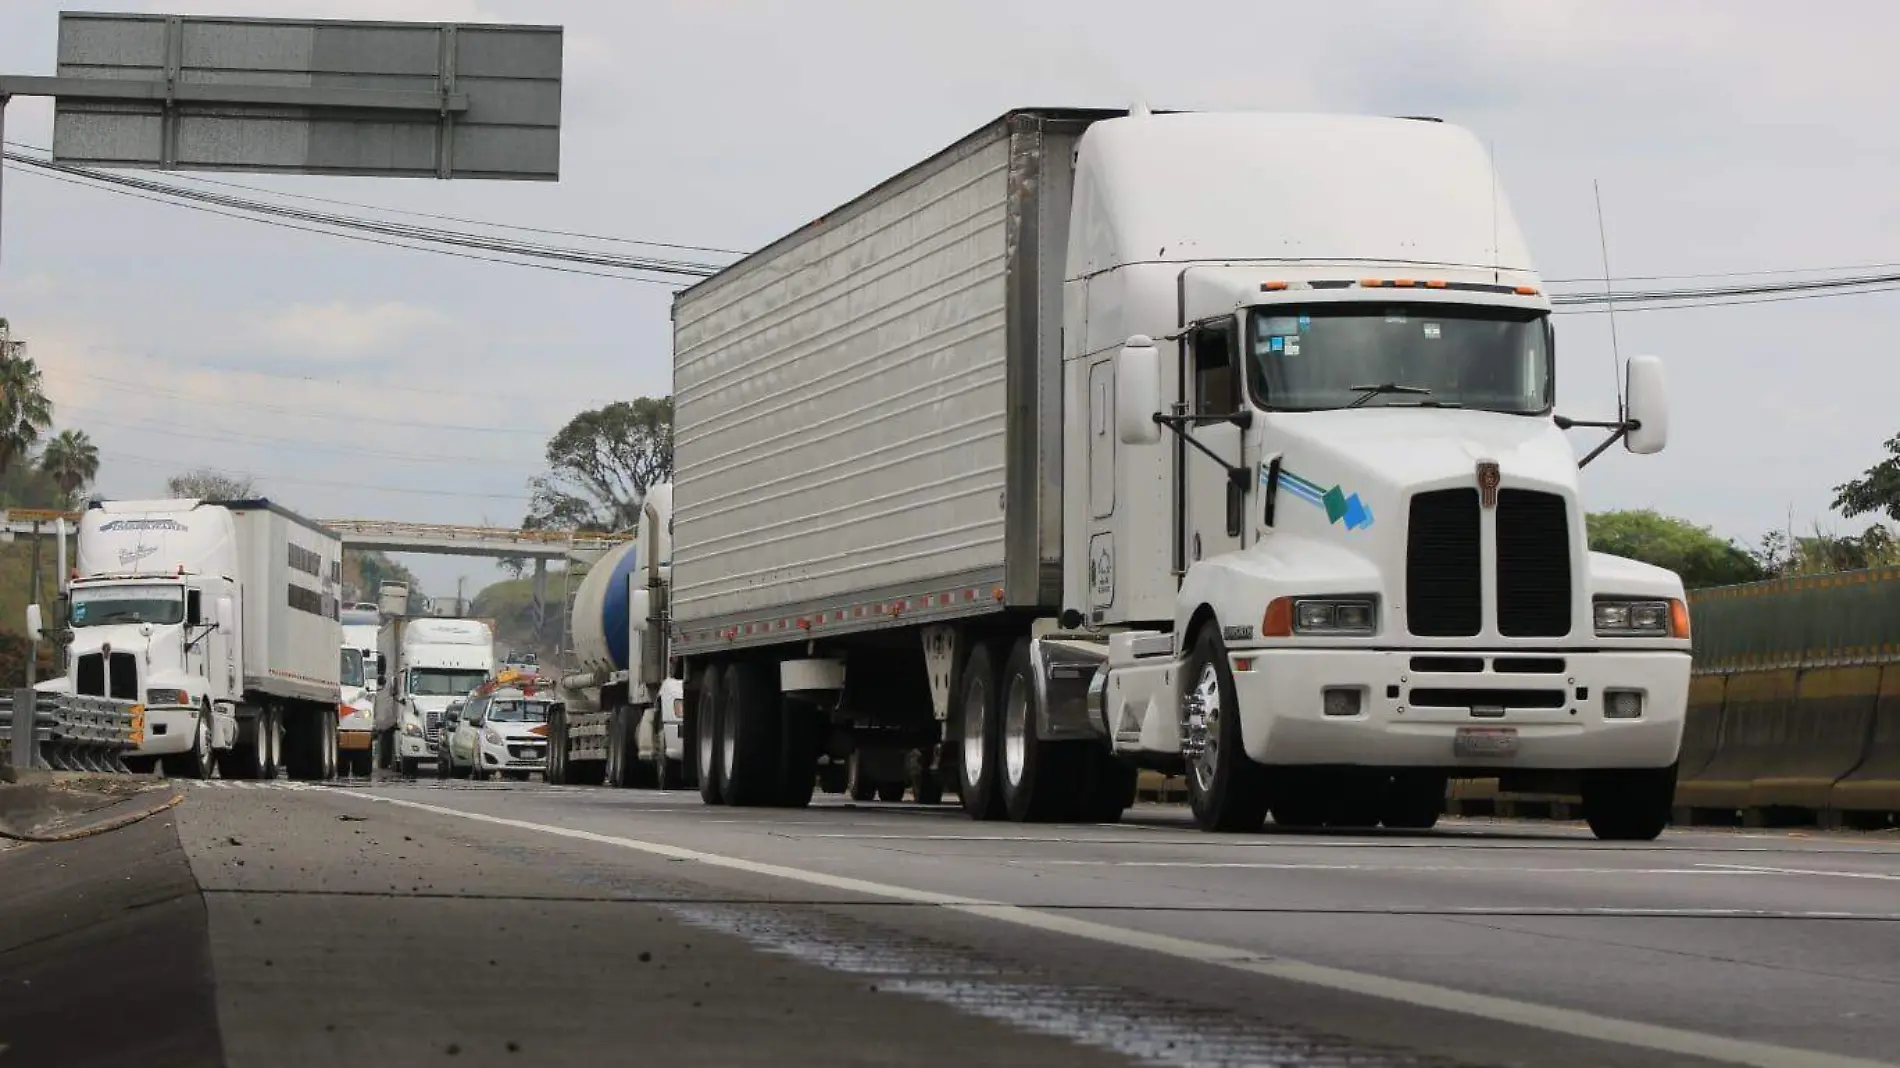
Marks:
<point>422,665</point>
<point>1220,444</point>
<point>222,618</point>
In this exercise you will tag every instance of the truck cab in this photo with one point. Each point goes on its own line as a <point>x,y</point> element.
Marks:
<point>439,661</point>
<point>153,618</point>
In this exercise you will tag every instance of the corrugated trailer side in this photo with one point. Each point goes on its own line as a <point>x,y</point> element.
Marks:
<point>868,412</point>
<point>292,579</point>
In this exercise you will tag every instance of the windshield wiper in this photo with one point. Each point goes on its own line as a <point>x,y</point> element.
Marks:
<point>1366,393</point>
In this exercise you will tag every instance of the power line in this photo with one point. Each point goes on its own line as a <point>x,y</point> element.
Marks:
<point>348,236</point>
<point>179,465</point>
<point>1726,274</point>
<point>426,215</point>
<point>295,413</point>
<point>363,452</point>
<point>1693,304</point>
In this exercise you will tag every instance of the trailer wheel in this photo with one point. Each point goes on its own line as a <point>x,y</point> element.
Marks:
<point>327,731</point>
<point>753,736</point>
<point>1226,789</point>
<point>246,760</point>
<point>1039,778</point>
<point>1629,805</point>
<point>977,722</point>
<point>616,773</point>
<point>707,743</point>
<point>555,772</point>
<point>803,733</point>
<point>1414,801</point>
<point>857,785</point>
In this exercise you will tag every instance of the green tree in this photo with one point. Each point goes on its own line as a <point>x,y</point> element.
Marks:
<point>1877,490</point>
<point>1695,553</point>
<point>25,412</point>
<point>71,460</point>
<point>600,465</point>
<point>206,484</point>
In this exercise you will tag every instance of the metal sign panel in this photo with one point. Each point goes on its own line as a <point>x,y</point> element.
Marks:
<point>306,96</point>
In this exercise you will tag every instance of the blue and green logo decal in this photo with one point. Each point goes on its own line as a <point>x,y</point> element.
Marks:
<point>1340,506</point>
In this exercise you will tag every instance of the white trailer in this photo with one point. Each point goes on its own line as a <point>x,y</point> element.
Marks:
<point>1221,444</point>
<point>222,616</point>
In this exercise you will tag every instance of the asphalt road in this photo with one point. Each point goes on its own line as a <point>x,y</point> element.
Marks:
<point>418,923</point>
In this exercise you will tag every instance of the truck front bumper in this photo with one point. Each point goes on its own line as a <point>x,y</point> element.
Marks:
<point>169,731</point>
<point>413,747</point>
<point>1407,718</point>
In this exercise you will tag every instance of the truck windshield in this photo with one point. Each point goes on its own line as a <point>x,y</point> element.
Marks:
<point>1327,356</point>
<point>97,606</point>
<point>444,682</point>
<point>518,711</point>
<point>352,667</point>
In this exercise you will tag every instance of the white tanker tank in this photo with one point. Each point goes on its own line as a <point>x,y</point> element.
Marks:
<point>601,631</point>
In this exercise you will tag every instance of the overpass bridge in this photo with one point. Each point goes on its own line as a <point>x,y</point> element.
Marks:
<point>498,542</point>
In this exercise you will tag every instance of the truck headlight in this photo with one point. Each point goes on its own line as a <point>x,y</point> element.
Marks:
<point>411,730</point>
<point>1628,618</point>
<point>1320,615</point>
<point>167,697</point>
<point>492,736</point>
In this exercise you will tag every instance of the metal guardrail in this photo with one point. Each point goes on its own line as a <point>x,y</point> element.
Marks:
<point>73,733</point>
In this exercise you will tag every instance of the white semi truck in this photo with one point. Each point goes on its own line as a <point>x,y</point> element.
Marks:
<point>1220,444</point>
<point>356,732</point>
<point>221,616</point>
<point>422,665</point>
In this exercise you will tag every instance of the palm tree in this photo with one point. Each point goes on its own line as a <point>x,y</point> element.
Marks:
<point>71,460</point>
<point>24,410</point>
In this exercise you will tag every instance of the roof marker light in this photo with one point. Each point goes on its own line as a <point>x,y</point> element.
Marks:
<point>1526,291</point>
<point>1435,284</point>
<point>1272,287</point>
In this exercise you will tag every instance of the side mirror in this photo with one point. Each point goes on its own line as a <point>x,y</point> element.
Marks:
<point>1647,395</point>
<point>639,607</point>
<point>1138,391</point>
<point>35,625</point>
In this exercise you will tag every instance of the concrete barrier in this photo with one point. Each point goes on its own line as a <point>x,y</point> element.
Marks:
<point>1820,740</point>
<point>1702,726</point>
<point>1873,786</point>
<point>1756,717</point>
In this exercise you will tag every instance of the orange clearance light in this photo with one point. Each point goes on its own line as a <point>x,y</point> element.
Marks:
<point>1371,283</point>
<point>1278,621</point>
<point>1526,291</point>
<point>1402,283</point>
<point>1436,283</point>
<point>1678,619</point>
<point>1272,287</point>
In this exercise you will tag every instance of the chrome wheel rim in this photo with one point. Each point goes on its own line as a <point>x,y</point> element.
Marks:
<point>975,724</point>
<point>1205,706</point>
<point>1016,732</point>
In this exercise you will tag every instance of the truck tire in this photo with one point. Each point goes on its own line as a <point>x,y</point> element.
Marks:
<point>752,736</point>
<point>1414,801</point>
<point>328,728</point>
<point>196,762</point>
<point>708,746</point>
<point>1112,785</point>
<point>1629,805</point>
<point>803,733</point>
<point>246,759</point>
<point>1227,791</point>
<point>834,778</point>
<point>857,785</point>
<point>667,774</point>
<point>977,723</point>
<point>554,773</point>
<point>1039,779</point>
<point>616,772</point>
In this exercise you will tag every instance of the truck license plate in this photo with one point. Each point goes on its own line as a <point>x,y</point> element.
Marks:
<point>1484,742</point>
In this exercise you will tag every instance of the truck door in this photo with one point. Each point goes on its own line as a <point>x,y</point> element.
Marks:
<point>1214,513</point>
<point>1102,479</point>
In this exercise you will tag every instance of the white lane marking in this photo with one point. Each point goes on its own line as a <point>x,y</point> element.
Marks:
<point>1487,869</point>
<point>1754,869</point>
<point>1485,1006</point>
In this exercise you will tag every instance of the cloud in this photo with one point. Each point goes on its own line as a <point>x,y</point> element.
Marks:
<point>341,330</point>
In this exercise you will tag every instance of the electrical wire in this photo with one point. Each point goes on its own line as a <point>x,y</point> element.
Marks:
<point>200,179</point>
<point>149,460</point>
<point>295,413</point>
<point>98,417</point>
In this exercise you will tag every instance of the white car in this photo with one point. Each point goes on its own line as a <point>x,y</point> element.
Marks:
<point>501,728</point>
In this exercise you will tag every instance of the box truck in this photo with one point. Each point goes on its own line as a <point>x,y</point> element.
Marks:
<point>222,617</point>
<point>1220,444</point>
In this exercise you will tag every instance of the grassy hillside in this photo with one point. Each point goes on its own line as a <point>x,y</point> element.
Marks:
<point>511,605</point>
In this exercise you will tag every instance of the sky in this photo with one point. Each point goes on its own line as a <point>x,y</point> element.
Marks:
<point>355,381</point>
